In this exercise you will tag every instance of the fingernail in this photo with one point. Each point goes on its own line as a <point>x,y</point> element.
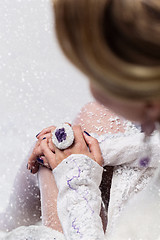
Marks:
<point>38,134</point>
<point>87,133</point>
<point>44,138</point>
<point>27,166</point>
<point>68,124</point>
<point>40,160</point>
<point>31,170</point>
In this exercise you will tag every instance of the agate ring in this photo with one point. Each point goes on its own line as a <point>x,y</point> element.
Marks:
<point>63,136</point>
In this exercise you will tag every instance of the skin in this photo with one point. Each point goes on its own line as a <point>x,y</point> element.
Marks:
<point>136,111</point>
<point>52,156</point>
<point>94,118</point>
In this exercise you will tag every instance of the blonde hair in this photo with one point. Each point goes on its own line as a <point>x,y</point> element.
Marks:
<point>116,43</point>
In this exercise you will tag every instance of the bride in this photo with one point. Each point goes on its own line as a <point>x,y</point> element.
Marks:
<point>116,44</point>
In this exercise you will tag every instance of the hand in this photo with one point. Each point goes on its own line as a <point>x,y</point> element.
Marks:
<point>45,132</point>
<point>37,157</point>
<point>83,144</point>
<point>52,156</point>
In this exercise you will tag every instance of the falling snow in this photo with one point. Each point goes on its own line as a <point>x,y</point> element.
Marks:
<point>33,73</point>
<point>33,76</point>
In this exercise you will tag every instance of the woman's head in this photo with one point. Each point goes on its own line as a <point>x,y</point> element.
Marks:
<point>117,45</point>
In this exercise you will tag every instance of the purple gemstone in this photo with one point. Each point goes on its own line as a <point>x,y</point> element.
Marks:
<point>61,135</point>
<point>144,162</point>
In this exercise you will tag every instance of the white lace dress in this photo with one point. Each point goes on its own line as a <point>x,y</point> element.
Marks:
<point>78,178</point>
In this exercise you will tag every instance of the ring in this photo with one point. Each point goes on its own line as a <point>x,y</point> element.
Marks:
<point>63,136</point>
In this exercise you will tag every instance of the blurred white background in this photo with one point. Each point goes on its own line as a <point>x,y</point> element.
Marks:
<point>38,86</point>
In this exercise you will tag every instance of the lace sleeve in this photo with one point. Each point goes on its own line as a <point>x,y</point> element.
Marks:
<point>79,201</point>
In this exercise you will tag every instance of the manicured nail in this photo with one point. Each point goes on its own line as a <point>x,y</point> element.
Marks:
<point>87,133</point>
<point>44,138</point>
<point>27,166</point>
<point>31,170</point>
<point>68,124</point>
<point>38,134</point>
<point>40,160</point>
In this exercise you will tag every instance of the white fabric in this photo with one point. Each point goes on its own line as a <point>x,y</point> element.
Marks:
<point>79,203</point>
<point>131,185</point>
<point>32,233</point>
<point>121,149</point>
<point>129,178</point>
<point>141,218</point>
<point>79,199</point>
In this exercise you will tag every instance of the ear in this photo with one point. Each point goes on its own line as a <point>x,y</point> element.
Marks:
<point>152,110</point>
<point>152,115</point>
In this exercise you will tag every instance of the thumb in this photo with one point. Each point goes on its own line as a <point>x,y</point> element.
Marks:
<point>94,147</point>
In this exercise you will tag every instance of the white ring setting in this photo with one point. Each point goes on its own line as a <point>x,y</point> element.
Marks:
<point>63,136</point>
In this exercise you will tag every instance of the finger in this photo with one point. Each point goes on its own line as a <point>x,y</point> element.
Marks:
<point>50,156</point>
<point>35,168</point>
<point>51,145</point>
<point>94,148</point>
<point>43,161</point>
<point>78,134</point>
<point>45,131</point>
<point>47,135</point>
<point>32,159</point>
<point>59,154</point>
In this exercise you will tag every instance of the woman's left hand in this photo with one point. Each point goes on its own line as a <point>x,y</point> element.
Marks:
<point>37,157</point>
<point>83,144</point>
